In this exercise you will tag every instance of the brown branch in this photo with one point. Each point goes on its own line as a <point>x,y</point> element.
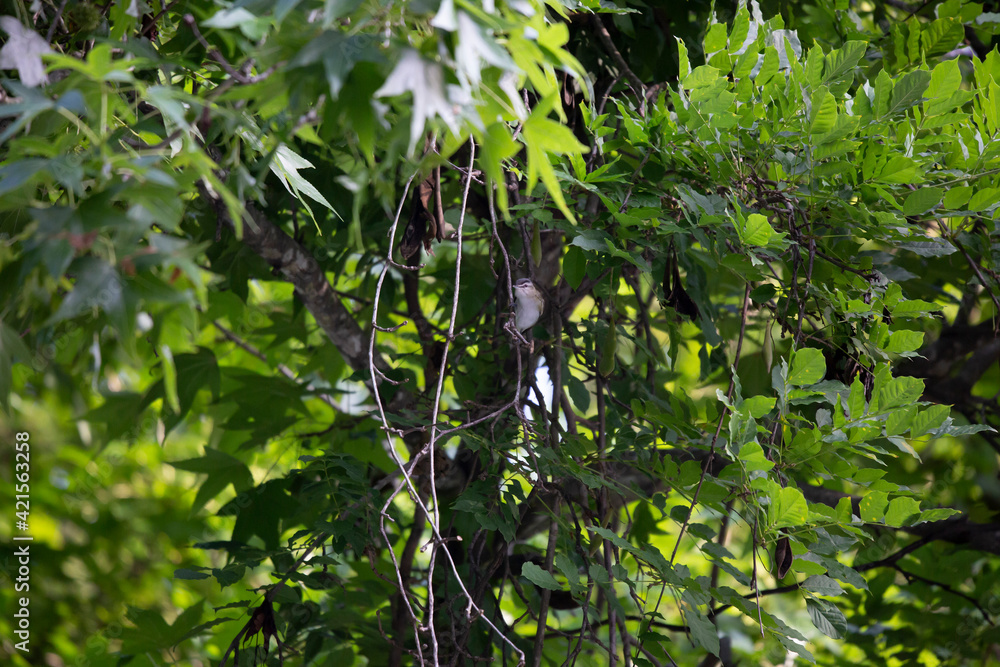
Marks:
<point>405,569</point>
<point>55,21</point>
<point>282,368</point>
<point>152,22</point>
<point>546,594</point>
<point>930,582</point>
<point>718,428</point>
<point>217,56</point>
<point>304,272</point>
<point>609,46</point>
<point>301,269</point>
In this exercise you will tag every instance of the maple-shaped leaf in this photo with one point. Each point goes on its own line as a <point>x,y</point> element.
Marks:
<point>23,52</point>
<point>426,80</point>
<point>477,45</point>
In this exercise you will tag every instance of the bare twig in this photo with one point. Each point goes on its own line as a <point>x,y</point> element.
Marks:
<point>152,22</point>
<point>546,594</point>
<point>407,480</point>
<point>434,515</point>
<point>718,428</point>
<point>282,368</point>
<point>472,610</point>
<point>609,45</point>
<point>214,53</point>
<point>55,21</point>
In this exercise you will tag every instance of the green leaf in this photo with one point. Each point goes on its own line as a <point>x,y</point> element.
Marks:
<point>741,30</point>
<point>908,91</point>
<point>840,62</point>
<point>914,307</point>
<point>222,470</point>
<point>752,456</point>
<point>957,197</point>
<point>186,573</point>
<point>592,239</point>
<point>574,266</point>
<point>12,349</point>
<point>579,394</point>
<point>856,402</point>
<point>13,176</point>
<point>702,77</point>
<point>928,420</point>
<point>946,79</point>
<point>173,103</point>
<point>883,91</point>
<point>899,420</point>
<point>756,231</point>
<point>715,38</point>
<point>703,631</point>
<point>845,510</point>
<point>269,504</point>
<point>808,367</point>
<point>822,585</point>
<point>904,340</point>
<point>170,378</point>
<point>684,66</point>
<point>827,618</point>
<point>902,512</point>
<point>922,200</point>
<point>899,391</point>
<point>97,286</point>
<point>873,506</point>
<point>758,406</point>
<point>898,169</point>
<point>984,199</point>
<point>937,514</point>
<point>286,165</point>
<point>788,508</point>
<point>615,538</point>
<point>196,371</point>
<point>807,568</point>
<point>824,112</point>
<point>425,80</point>
<point>496,147</point>
<point>150,633</point>
<point>941,36</point>
<point>230,574</point>
<point>569,570</point>
<point>540,577</point>
<point>841,572</point>
<point>229,18</point>
<point>769,66</point>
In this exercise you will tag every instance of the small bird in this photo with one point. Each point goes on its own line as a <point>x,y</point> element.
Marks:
<point>530,304</point>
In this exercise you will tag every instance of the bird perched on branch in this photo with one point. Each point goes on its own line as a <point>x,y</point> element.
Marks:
<point>530,304</point>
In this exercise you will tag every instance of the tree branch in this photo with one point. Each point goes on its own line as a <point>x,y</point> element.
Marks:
<point>609,45</point>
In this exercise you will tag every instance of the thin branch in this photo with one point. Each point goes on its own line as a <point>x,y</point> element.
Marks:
<point>602,505</point>
<point>930,582</point>
<point>864,273</point>
<point>974,265</point>
<point>152,22</point>
<point>282,368</point>
<point>546,594</point>
<point>609,45</point>
<point>718,428</point>
<point>434,516</point>
<point>405,569</point>
<point>55,21</point>
<point>237,75</point>
<point>407,480</point>
<point>472,610</point>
